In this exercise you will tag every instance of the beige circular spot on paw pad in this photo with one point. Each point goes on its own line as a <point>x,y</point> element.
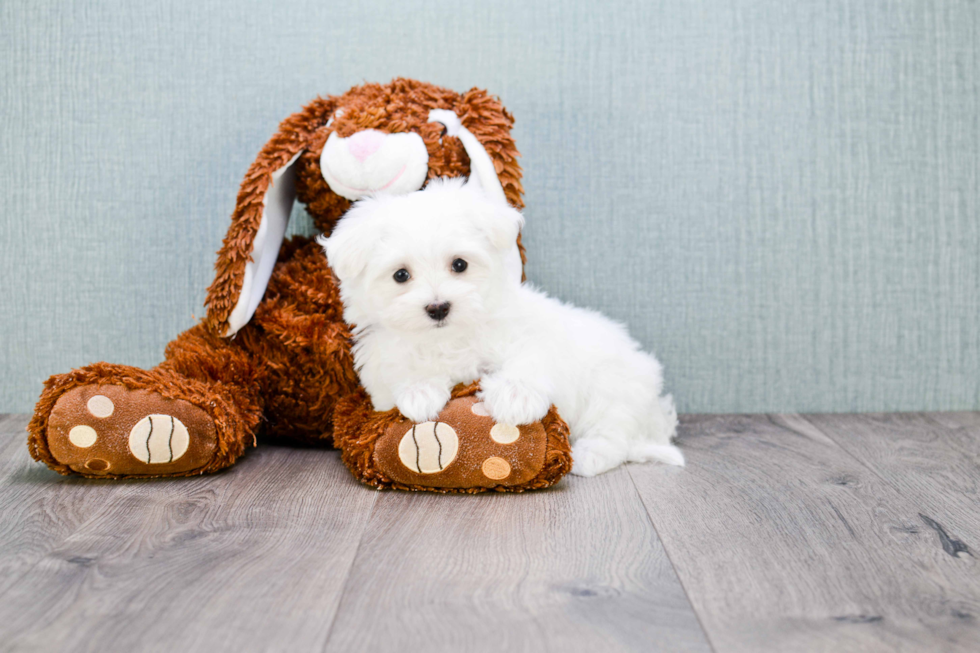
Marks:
<point>429,447</point>
<point>97,465</point>
<point>82,436</point>
<point>496,468</point>
<point>159,439</point>
<point>480,409</point>
<point>504,433</point>
<point>100,406</point>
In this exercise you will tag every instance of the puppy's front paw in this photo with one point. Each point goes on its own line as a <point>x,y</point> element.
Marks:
<point>512,402</point>
<point>422,402</point>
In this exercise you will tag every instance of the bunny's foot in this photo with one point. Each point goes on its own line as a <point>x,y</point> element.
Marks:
<point>117,422</point>
<point>462,450</point>
<point>97,430</point>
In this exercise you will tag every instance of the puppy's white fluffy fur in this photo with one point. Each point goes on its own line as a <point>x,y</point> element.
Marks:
<point>528,350</point>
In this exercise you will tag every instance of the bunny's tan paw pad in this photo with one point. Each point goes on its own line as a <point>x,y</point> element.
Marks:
<point>111,431</point>
<point>463,449</point>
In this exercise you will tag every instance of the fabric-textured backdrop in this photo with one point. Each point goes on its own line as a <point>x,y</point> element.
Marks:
<point>780,198</point>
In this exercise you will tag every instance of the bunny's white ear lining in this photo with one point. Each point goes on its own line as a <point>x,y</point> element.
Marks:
<point>481,165</point>
<point>278,204</point>
<point>482,172</point>
<point>447,119</point>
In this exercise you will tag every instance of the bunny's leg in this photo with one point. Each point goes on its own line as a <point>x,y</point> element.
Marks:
<point>194,413</point>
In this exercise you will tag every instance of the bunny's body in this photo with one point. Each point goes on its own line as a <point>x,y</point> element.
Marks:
<point>273,353</point>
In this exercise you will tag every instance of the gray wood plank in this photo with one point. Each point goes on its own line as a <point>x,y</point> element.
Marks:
<point>30,525</point>
<point>785,542</point>
<point>578,567</point>
<point>931,459</point>
<point>253,558</point>
<point>968,421</point>
<point>13,437</point>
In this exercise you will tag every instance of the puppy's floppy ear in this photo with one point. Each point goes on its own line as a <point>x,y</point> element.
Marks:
<point>351,244</point>
<point>265,200</point>
<point>502,225</point>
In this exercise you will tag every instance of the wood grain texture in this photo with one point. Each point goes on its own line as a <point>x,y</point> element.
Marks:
<point>38,508</point>
<point>575,568</point>
<point>785,542</point>
<point>251,559</point>
<point>784,533</point>
<point>931,459</point>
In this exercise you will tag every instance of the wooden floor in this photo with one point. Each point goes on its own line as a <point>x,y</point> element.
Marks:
<point>783,533</point>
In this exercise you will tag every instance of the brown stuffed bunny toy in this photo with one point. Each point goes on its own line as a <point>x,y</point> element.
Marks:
<point>273,352</point>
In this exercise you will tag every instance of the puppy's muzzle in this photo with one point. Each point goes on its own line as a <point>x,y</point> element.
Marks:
<point>438,312</point>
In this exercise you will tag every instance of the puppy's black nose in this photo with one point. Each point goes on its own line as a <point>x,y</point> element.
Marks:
<point>438,311</point>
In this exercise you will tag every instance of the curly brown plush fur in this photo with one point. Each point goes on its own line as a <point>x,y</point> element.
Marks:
<point>285,370</point>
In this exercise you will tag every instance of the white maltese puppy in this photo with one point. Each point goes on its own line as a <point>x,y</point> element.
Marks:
<point>428,279</point>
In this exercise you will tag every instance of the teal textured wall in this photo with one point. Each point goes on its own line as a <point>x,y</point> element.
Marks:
<point>780,198</point>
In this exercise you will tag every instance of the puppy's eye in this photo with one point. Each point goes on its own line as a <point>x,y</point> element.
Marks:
<point>459,265</point>
<point>402,276</point>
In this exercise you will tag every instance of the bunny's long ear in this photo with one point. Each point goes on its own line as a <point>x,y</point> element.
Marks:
<point>499,174</point>
<point>491,124</point>
<point>265,200</point>
<point>482,171</point>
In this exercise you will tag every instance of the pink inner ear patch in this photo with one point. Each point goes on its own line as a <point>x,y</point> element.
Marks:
<point>364,143</point>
